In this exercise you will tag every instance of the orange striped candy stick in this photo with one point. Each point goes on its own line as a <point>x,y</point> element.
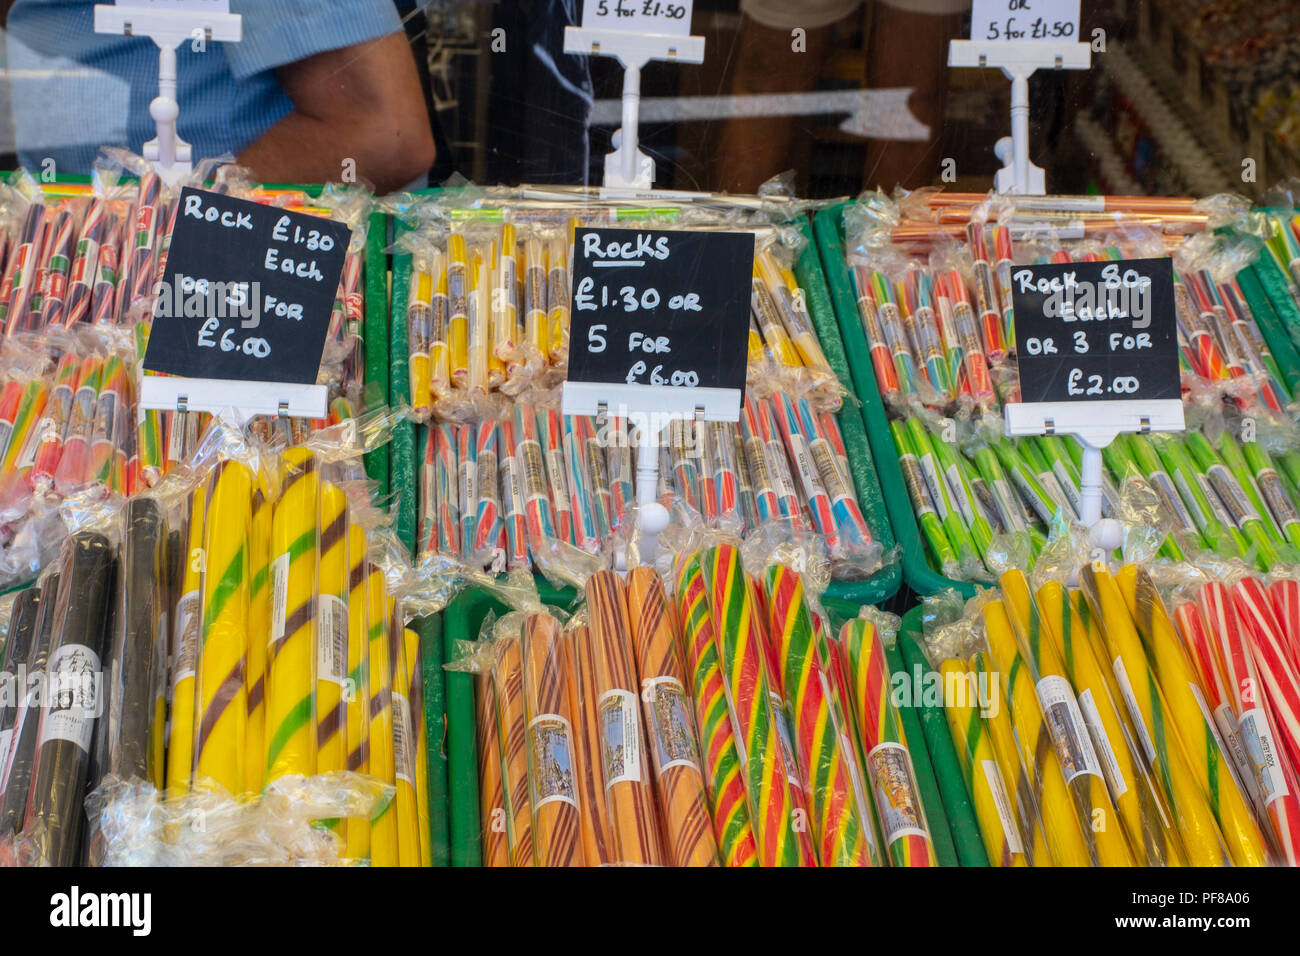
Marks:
<point>553,784</point>
<point>665,704</point>
<point>627,772</point>
<point>597,831</point>
<point>508,683</point>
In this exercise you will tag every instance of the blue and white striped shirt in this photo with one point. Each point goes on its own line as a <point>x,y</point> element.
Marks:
<point>74,90</point>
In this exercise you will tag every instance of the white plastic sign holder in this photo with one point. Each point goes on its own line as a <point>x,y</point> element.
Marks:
<point>1095,424</point>
<point>169,24</point>
<point>627,167</point>
<point>1018,59</point>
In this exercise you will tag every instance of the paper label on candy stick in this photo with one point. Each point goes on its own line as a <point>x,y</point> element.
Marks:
<point>1066,481</point>
<point>1256,736</point>
<point>1135,714</point>
<point>620,743</point>
<point>958,492</point>
<point>530,453</point>
<point>1173,502</point>
<point>187,637</point>
<point>1226,722</point>
<point>1216,505</point>
<point>784,736</point>
<point>897,799</point>
<point>74,696</point>
<point>1232,495</point>
<point>830,473</point>
<point>1055,492</point>
<point>1109,763</point>
<point>550,745</point>
<point>916,485</point>
<point>1189,501</point>
<point>935,483</point>
<point>468,488</point>
<point>403,744</point>
<point>1012,514</point>
<point>279,596</point>
<point>1002,803</point>
<point>332,639</point>
<point>1277,500</point>
<point>555,471</point>
<point>671,729</point>
<point>1065,725</point>
<point>1224,753</point>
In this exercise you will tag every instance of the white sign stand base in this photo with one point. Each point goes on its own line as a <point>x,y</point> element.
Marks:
<point>1018,59</point>
<point>171,155</point>
<point>1095,424</point>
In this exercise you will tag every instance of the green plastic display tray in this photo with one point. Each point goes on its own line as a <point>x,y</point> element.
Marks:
<point>828,225</point>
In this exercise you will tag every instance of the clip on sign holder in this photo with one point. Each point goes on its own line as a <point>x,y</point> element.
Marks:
<point>1018,59</point>
<point>627,167</point>
<point>634,402</point>
<point>1095,425</point>
<point>170,154</point>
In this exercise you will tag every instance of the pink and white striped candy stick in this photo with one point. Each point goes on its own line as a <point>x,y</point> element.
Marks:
<point>1285,596</point>
<point>1277,678</point>
<point>1270,778</point>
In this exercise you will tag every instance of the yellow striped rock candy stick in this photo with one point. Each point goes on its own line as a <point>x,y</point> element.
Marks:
<point>222,706</point>
<point>989,793</point>
<point>1205,752</point>
<point>1018,778</point>
<point>356,830</point>
<point>1056,805</point>
<point>1065,724</point>
<point>420,738</point>
<point>383,820</point>
<point>290,698</point>
<point>185,652</point>
<point>1152,721</point>
<point>332,631</point>
<point>408,816</point>
<point>1150,832</point>
<point>259,631</point>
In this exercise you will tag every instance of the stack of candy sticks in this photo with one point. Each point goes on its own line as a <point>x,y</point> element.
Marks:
<point>1185,733</point>
<point>489,492</point>
<point>721,725</point>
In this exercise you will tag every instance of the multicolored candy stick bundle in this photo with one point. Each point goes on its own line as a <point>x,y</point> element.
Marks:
<point>721,725</point>
<point>1140,735</point>
<point>935,308</point>
<point>254,661</point>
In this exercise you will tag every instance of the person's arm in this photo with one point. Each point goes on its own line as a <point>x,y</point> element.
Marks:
<point>360,102</point>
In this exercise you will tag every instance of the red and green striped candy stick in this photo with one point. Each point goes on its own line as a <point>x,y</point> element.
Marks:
<point>841,826</point>
<point>723,778</point>
<point>889,764</point>
<point>57,410</point>
<point>104,433</point>
<point>740,639</point>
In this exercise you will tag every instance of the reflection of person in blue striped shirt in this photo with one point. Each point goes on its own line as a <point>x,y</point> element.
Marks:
<point>313,83</point>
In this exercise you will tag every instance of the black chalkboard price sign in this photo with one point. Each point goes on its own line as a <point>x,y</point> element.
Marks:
<point>247,293</point>
<point>660,308</point>
<point>1096,331</point>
